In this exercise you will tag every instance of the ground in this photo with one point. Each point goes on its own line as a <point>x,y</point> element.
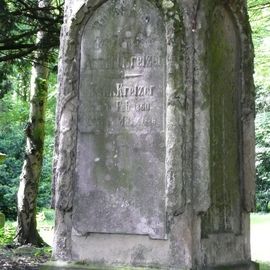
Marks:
<point>26,257</point>
<point>22,258</point>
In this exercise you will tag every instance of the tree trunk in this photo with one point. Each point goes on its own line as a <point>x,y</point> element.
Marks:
<point>29,180</point>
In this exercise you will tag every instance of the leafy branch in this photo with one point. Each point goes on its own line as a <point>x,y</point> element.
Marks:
<point>21,20</point>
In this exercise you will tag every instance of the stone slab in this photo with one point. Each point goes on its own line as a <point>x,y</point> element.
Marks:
<point>120,185</point>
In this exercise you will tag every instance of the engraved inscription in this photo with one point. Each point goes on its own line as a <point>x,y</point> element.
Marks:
<point>120,62</point>
<point>122,90</point>
<point>121,121</point>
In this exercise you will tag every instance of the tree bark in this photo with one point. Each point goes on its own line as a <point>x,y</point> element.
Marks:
<point>29,180</point>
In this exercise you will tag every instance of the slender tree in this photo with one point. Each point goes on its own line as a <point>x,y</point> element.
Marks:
<point>29,179</point>
<point>31,35</point>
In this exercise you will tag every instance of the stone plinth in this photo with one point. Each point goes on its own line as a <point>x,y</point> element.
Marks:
<point>73,266</point>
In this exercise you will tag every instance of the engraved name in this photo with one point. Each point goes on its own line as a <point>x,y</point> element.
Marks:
<point>133,62</point>
<point>121,90</point>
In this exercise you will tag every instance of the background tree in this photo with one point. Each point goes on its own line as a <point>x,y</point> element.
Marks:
<point>26,20</point>
<point>259,11</point>
<point>21,20</point>
<point>29,179</point>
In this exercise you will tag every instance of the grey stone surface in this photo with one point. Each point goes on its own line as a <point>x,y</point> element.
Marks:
<point>225,125</point>
<point>154,153</point>
<point>121,121</point>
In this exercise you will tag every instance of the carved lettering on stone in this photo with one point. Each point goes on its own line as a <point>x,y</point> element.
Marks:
<point>120,185</point>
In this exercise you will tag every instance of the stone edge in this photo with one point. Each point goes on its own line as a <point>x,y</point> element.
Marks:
<point>59,265</point>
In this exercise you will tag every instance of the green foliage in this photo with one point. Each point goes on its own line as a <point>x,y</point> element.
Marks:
<point>45,224</point>
<point>45,220</point>
<point>20,22</point>
<point>44,195</point>
<point>263,161</point>
<point>45,217</point>
<point>14,109</point>
<point>7,234</point>
<point>264,266</point>
<point>262,98</point>
<point>259,11</point>
<point>12,121</point>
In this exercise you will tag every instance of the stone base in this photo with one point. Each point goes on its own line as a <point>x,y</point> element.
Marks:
<point>81,266</point>
<point>78,266</point>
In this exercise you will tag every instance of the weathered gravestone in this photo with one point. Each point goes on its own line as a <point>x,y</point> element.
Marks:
<point>154,158</point>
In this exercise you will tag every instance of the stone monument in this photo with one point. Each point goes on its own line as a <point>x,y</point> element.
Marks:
<point>154,156</point>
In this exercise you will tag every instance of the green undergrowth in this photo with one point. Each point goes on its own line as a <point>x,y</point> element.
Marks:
<point>45,225</point>
<point>265,266</point>
<point>45,218</point>
<point>7,234</point>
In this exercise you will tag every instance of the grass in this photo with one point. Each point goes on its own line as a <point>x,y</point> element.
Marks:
<point>7,233</point>
<point>264,266</point>
<point>45,225</point>
<point>260,239</point>
<point>260,218</point>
